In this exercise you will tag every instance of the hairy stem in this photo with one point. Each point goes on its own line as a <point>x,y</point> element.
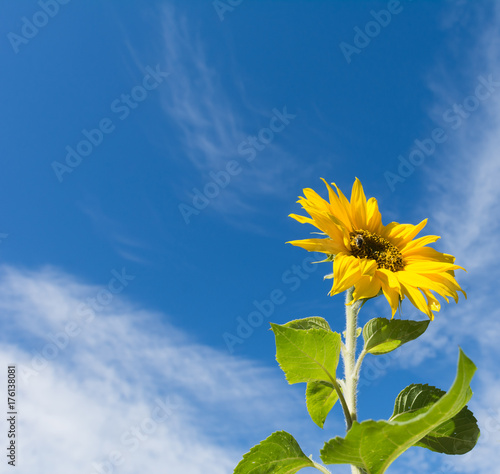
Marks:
<point>351,378</point>
<point>351,369</point>
<point>345,407</point>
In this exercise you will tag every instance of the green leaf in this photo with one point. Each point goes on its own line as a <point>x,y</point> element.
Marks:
<point>307,355</point>
<point>313,322</point>
<point>457,435</point>
<point>278,454</point>
<point>320,398</point>
<point>383,335</point>
<point>320,395</point>
<point>374,445</point>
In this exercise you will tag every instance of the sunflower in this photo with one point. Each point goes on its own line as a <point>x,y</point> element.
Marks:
<point>375,258</point>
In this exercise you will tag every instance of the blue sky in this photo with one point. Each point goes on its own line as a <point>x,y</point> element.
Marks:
<point>151,156</point>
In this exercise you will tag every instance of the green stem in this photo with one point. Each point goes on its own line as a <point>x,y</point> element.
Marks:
<point>357,368</point>
<point>351,378</point>
<point>343,402</point>
<point>321,468</point>
<point>351,369</point>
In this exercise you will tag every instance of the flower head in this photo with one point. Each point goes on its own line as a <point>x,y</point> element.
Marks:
<point>374,257</point>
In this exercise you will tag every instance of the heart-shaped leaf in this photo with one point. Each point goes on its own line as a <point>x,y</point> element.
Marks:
<point>457,435</point>
<point>383,335</point>
<point>374,445</point>
<point>310,355</point>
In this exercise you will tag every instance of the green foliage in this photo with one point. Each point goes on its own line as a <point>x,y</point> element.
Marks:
<point>278,454</point>
<point>458,435</point>
<point>383,335</point>
<point>313,322</point>
<point>308,351</point>
<point>320,398</point>
<point>374,445</point>
<point>307,355</point>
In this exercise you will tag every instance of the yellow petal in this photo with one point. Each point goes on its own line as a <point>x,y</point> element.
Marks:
<point>420,242</point>
<point>345,272</point>
<point>318,245</point>
<point>347,206</point>
<point>389,278</point>
<point>301,219</point>
<point>421,281</point>
<point>373,217</point>
<point>337,208</point>
<point>315,200</point>
<point>401,234</point>
<point>426,253</point>
<point>393,297</point>
<point>429,266</point>
<point>367,266</point>
<point>432,302</point>
<point>366,287</point>
<point>329,226</point>
<point>358,205</point>
<point>417,299</point>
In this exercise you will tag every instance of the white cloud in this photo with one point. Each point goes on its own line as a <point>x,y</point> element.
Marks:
<point>464,195</point>
<point>195,100</point>
<point>102,390</point>
<point>213,116</point>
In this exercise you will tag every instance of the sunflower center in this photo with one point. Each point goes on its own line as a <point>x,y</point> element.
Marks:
<point>364,244</point>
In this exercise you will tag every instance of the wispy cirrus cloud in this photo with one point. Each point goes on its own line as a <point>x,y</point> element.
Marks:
<point>195,101</point>
<point>213,120</point>
<point>120,384</point>
<point>463,195</point>
<point>461,199</point>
